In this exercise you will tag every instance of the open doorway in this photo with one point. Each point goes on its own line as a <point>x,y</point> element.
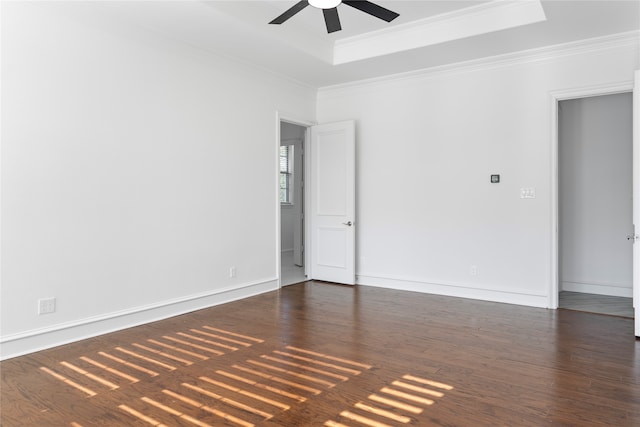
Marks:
<point>291,192</point>
<point>323,206</point>
<point>595,206</point>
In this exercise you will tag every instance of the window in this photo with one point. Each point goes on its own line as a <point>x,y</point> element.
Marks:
<point>286,173</point>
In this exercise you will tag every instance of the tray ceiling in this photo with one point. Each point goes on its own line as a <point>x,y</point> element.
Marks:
<point>426,34</point>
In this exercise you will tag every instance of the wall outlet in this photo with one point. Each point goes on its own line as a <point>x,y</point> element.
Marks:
<point>527,193</point>
<point>232,272</point>
<point>46,305</point>
<point>473,270</point>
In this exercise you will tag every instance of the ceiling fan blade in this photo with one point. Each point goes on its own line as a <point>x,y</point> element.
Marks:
<point>290,12</point>
<point>332,20</point>
<point>372,9</point>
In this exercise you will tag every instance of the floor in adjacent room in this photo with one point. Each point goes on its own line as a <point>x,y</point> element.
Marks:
<point>600,304</point>
<point>318,354</point>
<point>290,273</point>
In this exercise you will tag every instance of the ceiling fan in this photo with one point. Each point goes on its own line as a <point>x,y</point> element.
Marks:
<point>330,10</point>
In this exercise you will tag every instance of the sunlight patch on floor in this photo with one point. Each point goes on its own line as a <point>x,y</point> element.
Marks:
<point>243,393</point>
<point>271,377</point>
<point>407,400</point>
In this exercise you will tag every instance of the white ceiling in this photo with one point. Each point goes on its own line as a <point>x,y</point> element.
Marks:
<point>427,33</point>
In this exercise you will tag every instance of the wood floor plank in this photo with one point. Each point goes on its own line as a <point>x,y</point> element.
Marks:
<point>317,354</point>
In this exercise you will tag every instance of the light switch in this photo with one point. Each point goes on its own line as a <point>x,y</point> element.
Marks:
<point>527,193</point>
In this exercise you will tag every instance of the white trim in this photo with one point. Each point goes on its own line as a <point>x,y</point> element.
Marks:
<point>64,333</point>
<point>636,199</point>
<point>557,96</point>
<point>293,119</point>
<point>307,229</point>
<point>459,290</point>
<point>629,39</point>
<point>1,198</point>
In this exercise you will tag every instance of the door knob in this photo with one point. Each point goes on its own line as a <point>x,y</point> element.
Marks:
<point>348,223</point>
<point>632,237</point>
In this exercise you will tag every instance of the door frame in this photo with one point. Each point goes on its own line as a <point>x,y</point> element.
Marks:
<point>295,120</point>
<point>556,97</point>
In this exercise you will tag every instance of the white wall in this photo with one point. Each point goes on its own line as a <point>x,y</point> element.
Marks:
<point>595,184</point>
<point>118,147</point>
<point>118,150</point>
<point>426,147</point>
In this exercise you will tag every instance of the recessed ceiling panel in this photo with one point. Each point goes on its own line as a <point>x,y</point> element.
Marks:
<point>462,23</point>
<point>355,22</point>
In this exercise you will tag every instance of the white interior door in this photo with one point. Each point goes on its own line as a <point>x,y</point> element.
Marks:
<point>332,196</point>
<point>636,201</point>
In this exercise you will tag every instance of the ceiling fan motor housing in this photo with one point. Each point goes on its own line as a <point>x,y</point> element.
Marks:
<point>325,4</point>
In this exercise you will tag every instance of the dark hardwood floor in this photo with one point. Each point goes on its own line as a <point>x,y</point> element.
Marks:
<point>317,354</point>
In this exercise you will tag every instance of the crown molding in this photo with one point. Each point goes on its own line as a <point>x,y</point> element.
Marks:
<point>591,45</point>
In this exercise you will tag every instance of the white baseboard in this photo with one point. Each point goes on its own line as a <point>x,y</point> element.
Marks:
<point>598,289</point>
<point>455,290</point>
<point>41,339</point>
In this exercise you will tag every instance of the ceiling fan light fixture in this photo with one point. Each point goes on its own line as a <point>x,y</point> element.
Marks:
<point>330,11</point>
<point>325,4</point>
